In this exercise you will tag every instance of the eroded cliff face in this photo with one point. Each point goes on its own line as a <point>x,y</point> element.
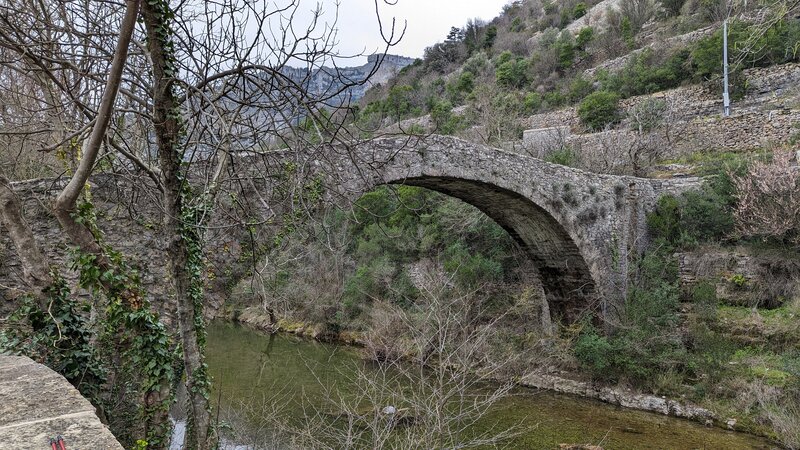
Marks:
<point>327,81</point>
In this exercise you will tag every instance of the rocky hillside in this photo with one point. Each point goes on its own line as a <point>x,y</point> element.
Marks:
<point>328,81</point>
<point>606,86</point>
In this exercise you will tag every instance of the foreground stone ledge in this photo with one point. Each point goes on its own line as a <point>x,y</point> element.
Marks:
<point>37,404</point>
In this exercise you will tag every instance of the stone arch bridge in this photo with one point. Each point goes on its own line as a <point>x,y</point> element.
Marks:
<point>579,229</point>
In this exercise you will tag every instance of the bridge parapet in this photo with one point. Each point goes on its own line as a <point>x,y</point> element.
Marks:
<point>37,404</point>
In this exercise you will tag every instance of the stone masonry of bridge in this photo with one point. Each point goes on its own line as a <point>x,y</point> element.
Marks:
<point>37,404</point>
<point>580,229</point>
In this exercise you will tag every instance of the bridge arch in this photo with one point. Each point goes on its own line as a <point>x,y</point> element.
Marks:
<point>565,275</point>
<point>578,228</point>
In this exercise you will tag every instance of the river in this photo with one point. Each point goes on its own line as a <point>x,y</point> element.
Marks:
<point>252,370</point>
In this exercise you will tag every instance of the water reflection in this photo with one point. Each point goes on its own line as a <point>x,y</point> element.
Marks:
<point>247,366</point>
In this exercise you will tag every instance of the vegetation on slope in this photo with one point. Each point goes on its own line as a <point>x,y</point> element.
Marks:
<point>528,60</point>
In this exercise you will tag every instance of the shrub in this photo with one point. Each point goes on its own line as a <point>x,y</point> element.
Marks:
<point>579,88</point>
<point>706,215</point>
<point>516,25</point>
<point>626,32</point>
<point>706,55</point>
<point>664,221</point>
<point>512,73</point>
<point>595,354</point>
<point>566,18</point>
<point>443,118</point>
<point>554,99</point>
<point>470,269</point>
<point>702,215</point>
<point>672,7</point>
<point>579,10</point>
<point>465,83</point>
<point>584,37</point>
<point>565,156</point>
<point>748,46</point>
<point>647,340</point>
<point>769,199</point>
<point>599,110</point>
<point>476,63</point>
<point>648,72</point>
<point>565,50</point>
<point>460,87</point>
<point>490,37</point>
<point>398,103</point>
<point>532,102</point>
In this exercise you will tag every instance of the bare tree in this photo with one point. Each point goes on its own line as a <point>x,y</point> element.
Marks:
<point>204,97</point>
<point>768,199</point>
<point>428,392</point>
<point>74,59</point>
<point>233,93</point>
<point>638,12</point>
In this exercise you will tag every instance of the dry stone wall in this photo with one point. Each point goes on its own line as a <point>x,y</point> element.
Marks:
<point>742,278</point>
<point>770,114</point>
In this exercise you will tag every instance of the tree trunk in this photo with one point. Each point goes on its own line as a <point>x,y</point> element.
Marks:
<point>65,202</point>
<point>168,131</point>
<point>35,268</point>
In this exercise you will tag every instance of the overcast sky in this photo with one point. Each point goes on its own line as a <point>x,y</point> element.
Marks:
<point>428,21</point>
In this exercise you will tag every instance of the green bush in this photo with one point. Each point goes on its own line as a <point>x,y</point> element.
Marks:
<point>647,72</point>
<point>516,25</point>
<point>599,109</point>
<point>748,45</point>
<point>462,86</point>
<point>476,63</point>
<point>443,118</point>
<point>627,32</point>
<point>646,342</point>
<point>564,47</point>
<point>471,269</point>
<point>665,221</point>
<point>398,102</point>
<point>512,72</point>
<point>672,7</point>
<point>490,37</point>
<point>565,156</point>
<point>554,99</point>
<point>584,37</point>
<point>703,215</point>
<point>595,354</point>
<point>706,215</point>
<point>579,10</point>
<point>579,88</point>
<point>532,102</point>
<point>566,18</point>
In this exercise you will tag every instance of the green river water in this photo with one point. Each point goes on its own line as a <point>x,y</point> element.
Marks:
<point>247,365</point>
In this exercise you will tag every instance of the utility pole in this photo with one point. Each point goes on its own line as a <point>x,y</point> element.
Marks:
<point>726,99</point>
